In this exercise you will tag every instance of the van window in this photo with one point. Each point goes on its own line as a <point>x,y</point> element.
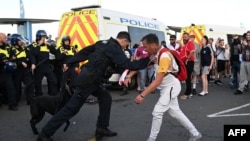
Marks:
<point>136,34</point>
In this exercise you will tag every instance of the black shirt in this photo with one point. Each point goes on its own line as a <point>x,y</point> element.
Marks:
<point>235,53</point>
<point>206,56</point>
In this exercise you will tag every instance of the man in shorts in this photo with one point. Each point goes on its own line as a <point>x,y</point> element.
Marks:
<point>197,69</point>
<point>220,51</point>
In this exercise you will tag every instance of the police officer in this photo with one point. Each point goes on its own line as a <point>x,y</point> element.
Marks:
<point>6,68</point>
<point>65,52</point>
<point>100,56</point>
<point>40,50</point>
<point>21,56</point>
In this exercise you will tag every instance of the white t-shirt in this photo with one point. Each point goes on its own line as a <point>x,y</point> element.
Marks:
<point>171,47</point>
<point>220,52</point>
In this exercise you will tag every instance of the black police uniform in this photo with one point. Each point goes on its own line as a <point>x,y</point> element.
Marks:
<point>63,55</point>
<point>43,68</point>
<point>23,74</point>
<point>100,56</point>
<point>6,78</point>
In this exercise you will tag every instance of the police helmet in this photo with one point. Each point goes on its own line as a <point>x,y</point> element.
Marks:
<point>40,34</point>
<point>15,38</point>
<point>65,38</point>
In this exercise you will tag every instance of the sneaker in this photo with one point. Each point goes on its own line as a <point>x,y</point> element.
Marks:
<point>138,88</point>
<point>219,82</point>
<point>194,91</point>
<point>104,132</point>
<point>212,79</point>
<point>190,96</point>
<point>183,96</point>
<point>238,92</point>
<point>195,138</point>
<point>43,137</point>
<point>202,93</point>
<point>216,82</point>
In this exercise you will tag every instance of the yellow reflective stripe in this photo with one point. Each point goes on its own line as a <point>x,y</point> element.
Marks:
<point>5,52</point>
<point>44,49</point>
<point>21,55</point>
<point>69,52</point>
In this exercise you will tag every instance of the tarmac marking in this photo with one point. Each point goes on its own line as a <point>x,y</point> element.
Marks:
<point>222,113</point>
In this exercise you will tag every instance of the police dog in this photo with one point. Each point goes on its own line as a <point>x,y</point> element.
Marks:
<point>50,104</point>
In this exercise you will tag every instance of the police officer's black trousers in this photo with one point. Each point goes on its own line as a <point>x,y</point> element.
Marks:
<point>72,77</point>
<point>190,69</point>
<point>25,76</point>
<point>75,104</point>
<point>52,82</point>
<point>6,81</point>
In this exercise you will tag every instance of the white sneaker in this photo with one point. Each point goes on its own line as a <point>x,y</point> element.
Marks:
<point>195,138</point>
<point>138,88</point>
<point>202,93</point>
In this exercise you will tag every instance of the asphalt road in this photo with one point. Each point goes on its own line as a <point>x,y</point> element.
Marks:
<point>132,122</point>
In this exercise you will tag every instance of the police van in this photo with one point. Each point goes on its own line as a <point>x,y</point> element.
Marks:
<point>213,31</point>
<point>86,25</point>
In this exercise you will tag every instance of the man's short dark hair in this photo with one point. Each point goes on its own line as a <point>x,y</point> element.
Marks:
<point>185,33</point>
<point>212,39</point>
<point>123,35</point>
<point>163,42</point>
<point>172,37</point>
<point>151,39</point>
<point>220,40</point>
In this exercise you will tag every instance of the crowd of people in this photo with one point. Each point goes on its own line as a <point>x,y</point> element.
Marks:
<point>206,62</point>
<point>29,64</point>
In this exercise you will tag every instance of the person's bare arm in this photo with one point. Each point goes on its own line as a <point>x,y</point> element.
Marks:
<point>128,77</point>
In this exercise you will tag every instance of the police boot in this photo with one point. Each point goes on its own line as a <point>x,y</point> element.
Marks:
<point>104,132</point>
<point>43,137</point>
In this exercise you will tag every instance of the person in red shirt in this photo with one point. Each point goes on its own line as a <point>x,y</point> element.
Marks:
<point>187,56</point>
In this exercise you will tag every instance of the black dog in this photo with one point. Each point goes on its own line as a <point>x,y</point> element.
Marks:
<point>50,104</point>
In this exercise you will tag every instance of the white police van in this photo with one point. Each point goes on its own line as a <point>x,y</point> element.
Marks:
<point>86,25</point>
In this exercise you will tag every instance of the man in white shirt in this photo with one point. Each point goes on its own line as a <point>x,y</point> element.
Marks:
<point>220,53</point>
<point>173,44</point>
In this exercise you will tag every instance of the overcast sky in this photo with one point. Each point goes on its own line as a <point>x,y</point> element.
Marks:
<point>170,12</point>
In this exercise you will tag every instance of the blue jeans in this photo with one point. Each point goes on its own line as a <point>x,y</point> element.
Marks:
<point>236,70</point>
<point>150,72</point>
<point>142,78</point>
